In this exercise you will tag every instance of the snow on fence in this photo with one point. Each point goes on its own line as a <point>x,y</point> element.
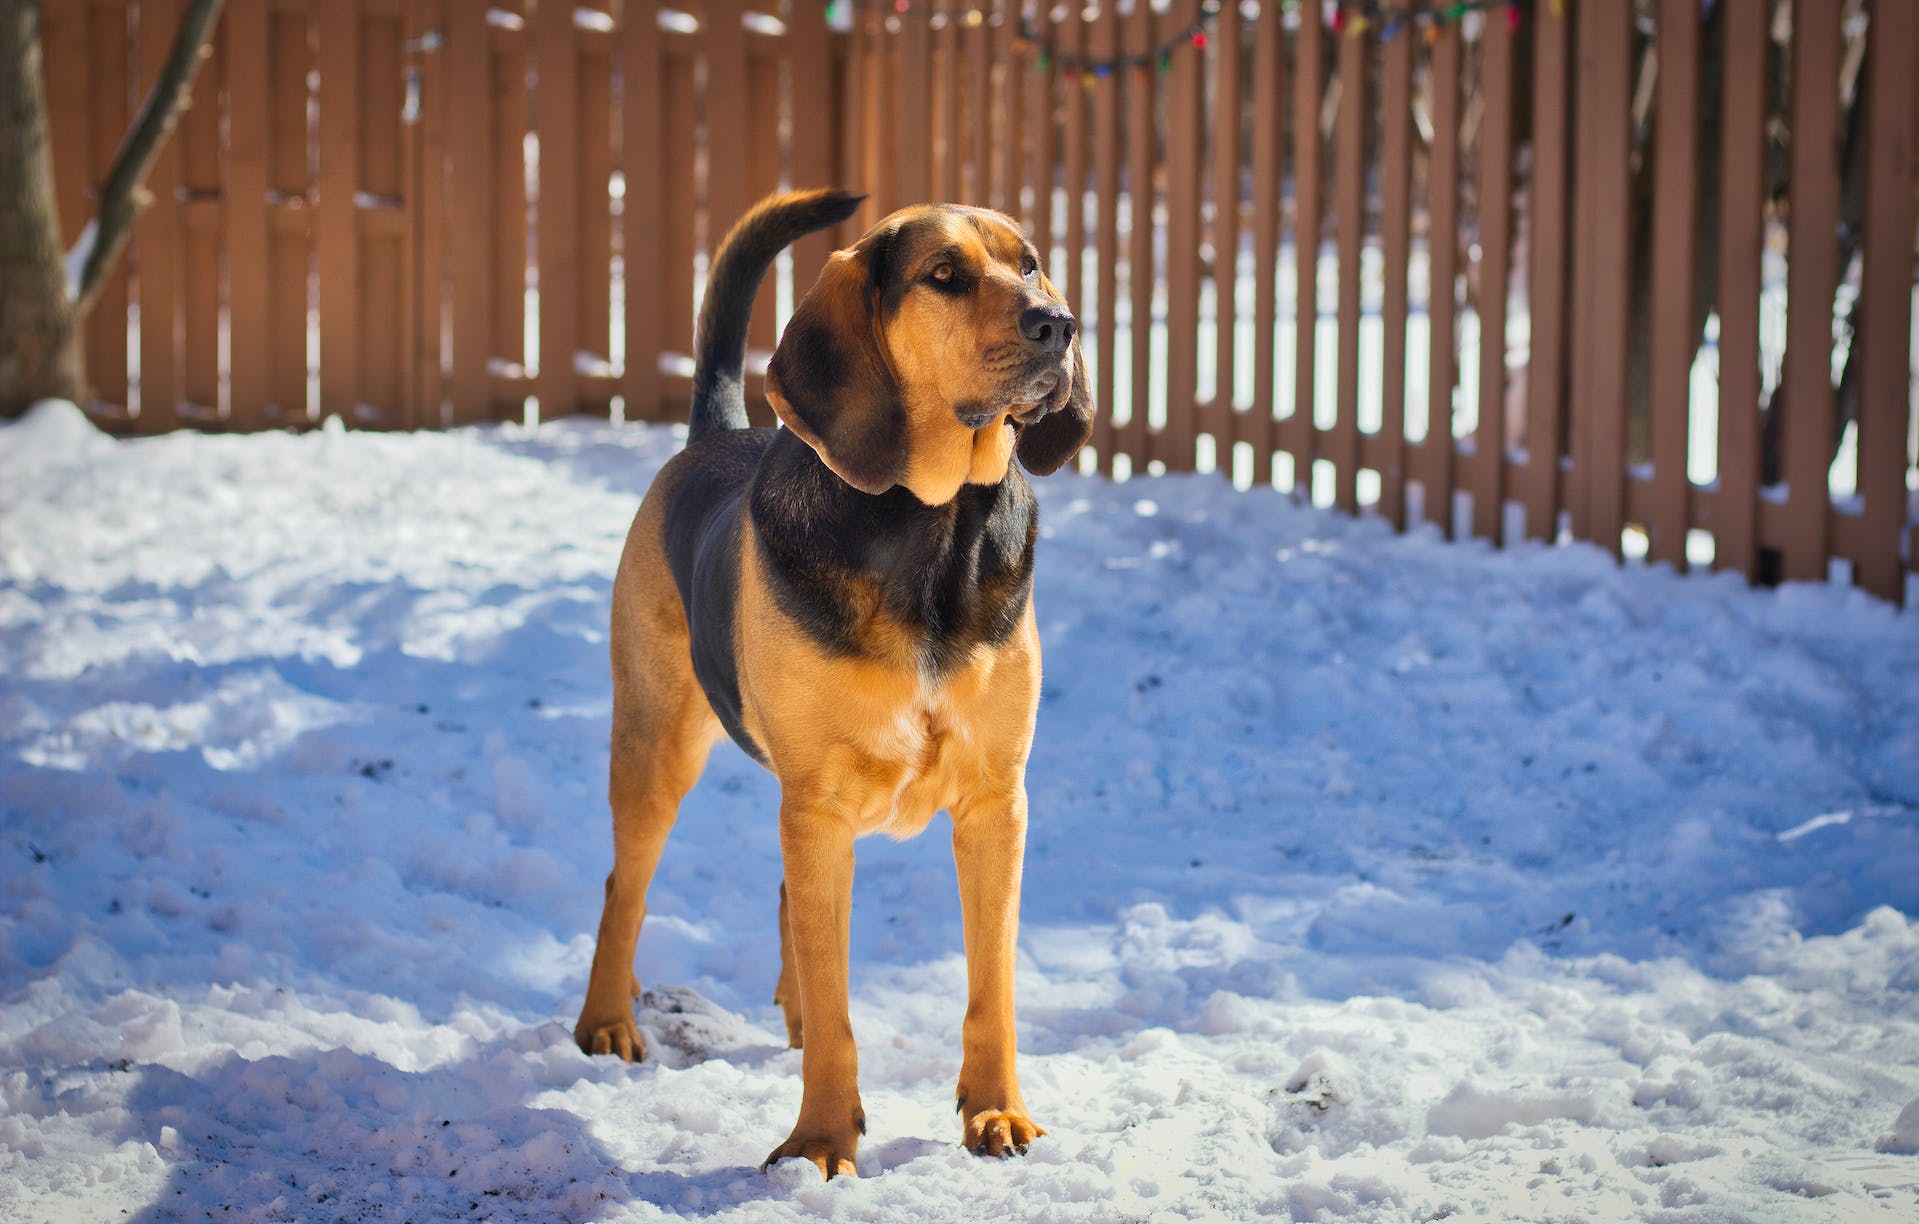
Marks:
<point>419,213</point>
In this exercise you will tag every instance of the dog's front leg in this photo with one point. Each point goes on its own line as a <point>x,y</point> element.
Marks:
<point>989,845</point>
<point>816,845</point>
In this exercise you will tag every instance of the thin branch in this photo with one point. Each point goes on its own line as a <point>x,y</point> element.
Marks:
<point>123,197</point>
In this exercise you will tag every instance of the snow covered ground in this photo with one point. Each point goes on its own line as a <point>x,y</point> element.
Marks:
<point>1369,876</point>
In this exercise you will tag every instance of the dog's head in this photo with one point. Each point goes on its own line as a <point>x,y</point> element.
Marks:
<point>929,353</point>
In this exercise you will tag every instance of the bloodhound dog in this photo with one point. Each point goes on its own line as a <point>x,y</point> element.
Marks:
<point>850,599</point>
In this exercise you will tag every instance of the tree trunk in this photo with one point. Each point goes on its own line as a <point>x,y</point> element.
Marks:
<point>39,336</point>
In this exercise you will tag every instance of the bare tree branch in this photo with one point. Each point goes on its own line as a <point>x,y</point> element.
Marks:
<point>123,197</point>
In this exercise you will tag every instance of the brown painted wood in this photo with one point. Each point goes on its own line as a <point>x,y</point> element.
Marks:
<point>379,324</point>
<point>1605,54</point>
<point>156,245</point>
<point>1223,421</point>
<point>244,28</point>
<point>1040,173</point>
<point>1396,211</point>
<point>1009,126</point>
<point>69,93</point>
<point>676,235</point>
<point>1075,102</point>
<point>948,84</point>
<point>1812,273</point>
<point>1735,519</point>
<point>1548,259</point>
<point>465,65</point>
<point>762,178</point>
<point>557,246</point>
<point>1105,42</point>
<point>336,223</point>
<point>290,195</point>
<point>1885,297</point>
<point>593,293</point>
<point>428,207</point>
<point>1184,82</point>
<point>1434,467</point>
<point>1349,206</point>
<point>978,128</point>
<point>912,103</point>
<point>1269,170</point>
<point>108,114</point>
<point>201,281</point>
<point>1299,432</point>
<point>509,239</point>
<point>812,138</point>
<point>1675,202</point>
<point>646,178</point>
<point>1135,440</point>
<point>1488,467</point>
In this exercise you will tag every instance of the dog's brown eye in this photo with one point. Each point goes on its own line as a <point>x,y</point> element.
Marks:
<point>1028,265</point>
<point>943,273</point>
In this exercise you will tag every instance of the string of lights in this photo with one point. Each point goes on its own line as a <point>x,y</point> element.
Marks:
<point>1349,18</point>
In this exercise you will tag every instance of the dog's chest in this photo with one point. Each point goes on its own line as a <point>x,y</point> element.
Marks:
<point>913,752</point>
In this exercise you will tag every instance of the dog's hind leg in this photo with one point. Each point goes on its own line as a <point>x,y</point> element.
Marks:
<point>787,992</point>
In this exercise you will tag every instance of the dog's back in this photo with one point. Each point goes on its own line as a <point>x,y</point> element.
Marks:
<point>702,487</point>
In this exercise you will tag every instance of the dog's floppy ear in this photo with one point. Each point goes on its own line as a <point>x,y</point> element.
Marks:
<point>830,385</point>
<point>1056,437</point>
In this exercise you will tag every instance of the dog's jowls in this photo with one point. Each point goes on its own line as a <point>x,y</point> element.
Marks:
<point>850,599</point>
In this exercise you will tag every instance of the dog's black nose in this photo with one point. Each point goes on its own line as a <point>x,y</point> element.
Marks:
<point>1048,327</point>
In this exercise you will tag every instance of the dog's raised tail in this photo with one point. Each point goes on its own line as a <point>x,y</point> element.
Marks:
<point>749,249</point>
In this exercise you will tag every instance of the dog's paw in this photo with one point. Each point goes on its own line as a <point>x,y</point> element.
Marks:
<point>1000,1132</point>
<point>832,1160</point>
<point>612,1035</point>
<point>830,1148</point>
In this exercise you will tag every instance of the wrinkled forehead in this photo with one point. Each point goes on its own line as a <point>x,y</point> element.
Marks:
<point>933,230</point>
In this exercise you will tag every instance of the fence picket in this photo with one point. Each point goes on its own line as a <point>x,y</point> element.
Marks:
<point>1396,172</point>
<point>1136,441</point>
<point>1601,300</point>
<point>1106,159</point>
<point>1548,259</point>
<point>1885,296</point>
<point>156,245</point>
<point>1812,273</point>
<point>1298,431</point>
<point>1488,466</point>
<point>249,252</point>
<point>1223,422</point>
<point>1735,516</point>
<point>1177,440</point>
<point>1349,190</point>
<point>1673,342</point>
<point>1435,455</point>
<point>1269,169</point>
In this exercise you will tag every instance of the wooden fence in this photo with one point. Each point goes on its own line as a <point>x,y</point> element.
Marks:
<point>1415,260</point>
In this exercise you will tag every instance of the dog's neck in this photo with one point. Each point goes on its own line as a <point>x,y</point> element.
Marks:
<point>951,576</point>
